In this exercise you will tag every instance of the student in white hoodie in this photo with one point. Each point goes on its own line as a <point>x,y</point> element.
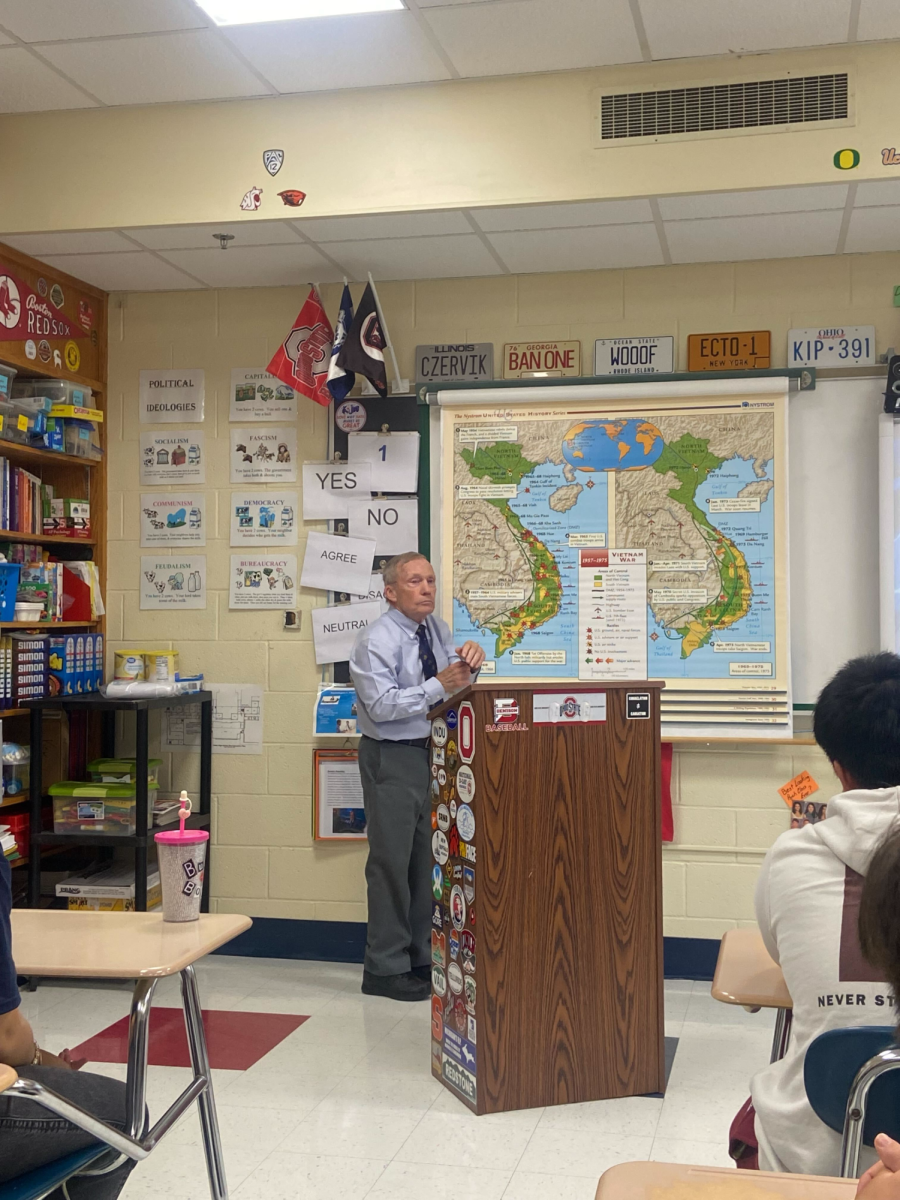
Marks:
<point>807,905</point>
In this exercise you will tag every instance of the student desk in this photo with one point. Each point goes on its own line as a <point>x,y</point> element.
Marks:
<point>643,1180</point>
<point>747,975</point>
<point>142,947</point>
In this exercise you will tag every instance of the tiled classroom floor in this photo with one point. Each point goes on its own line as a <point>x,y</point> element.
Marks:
<point>345,1107</point>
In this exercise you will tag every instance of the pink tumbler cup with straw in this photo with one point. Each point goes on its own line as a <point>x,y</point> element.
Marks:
<point>182,863</point>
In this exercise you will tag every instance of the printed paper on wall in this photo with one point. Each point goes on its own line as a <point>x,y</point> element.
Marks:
<point>173,582</point>
<point>337,564</point>
<point>173,457</point>
<point>260,518</point>
<point>263,455</point>
<point>258,396</point>
<point>267,581</point>
<point>173,519</point>
<point>172,397</point>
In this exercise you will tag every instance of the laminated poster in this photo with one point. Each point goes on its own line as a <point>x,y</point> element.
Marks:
<point>261,519</point>
<point>173,457</point>
<point>262,455</point>
<point>173,519</point>
<point>263,582</point>
<point>173,582</point>
<point>258,396</point>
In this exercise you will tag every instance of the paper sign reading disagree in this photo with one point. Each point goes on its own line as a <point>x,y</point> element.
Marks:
<point>798,788</point>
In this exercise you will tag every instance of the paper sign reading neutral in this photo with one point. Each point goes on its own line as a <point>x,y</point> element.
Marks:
<point>337,564</point>
<point>329,486</point>
<point>394,524</point>
<point>798,788</point>
<point>394,458</point>
<point>336,629</point>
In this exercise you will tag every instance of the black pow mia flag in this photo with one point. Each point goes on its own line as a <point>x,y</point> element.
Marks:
<point>363,351</point>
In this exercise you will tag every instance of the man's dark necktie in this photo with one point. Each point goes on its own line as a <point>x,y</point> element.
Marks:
<point>426,654</point>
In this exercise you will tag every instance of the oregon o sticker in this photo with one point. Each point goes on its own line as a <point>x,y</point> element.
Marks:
<point>466,732</point>
<point>846,160</point>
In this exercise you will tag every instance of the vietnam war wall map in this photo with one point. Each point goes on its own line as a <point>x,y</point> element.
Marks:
<point>697,484</point>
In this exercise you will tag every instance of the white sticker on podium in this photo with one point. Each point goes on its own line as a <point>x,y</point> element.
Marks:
<point>569,708</point>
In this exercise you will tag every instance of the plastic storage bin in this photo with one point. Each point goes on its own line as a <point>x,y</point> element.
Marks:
<point>58,391</point>
<point>107,808</point>
<point>7,375</point>
<point>81,439</point>
<point>16,769</point>
<point>122,770</point>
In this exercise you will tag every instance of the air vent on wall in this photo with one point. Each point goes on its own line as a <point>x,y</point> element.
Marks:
<point>753,104</point>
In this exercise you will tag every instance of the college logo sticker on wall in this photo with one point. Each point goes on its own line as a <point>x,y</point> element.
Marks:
<point>846,160</point>
<point>466,732</point>
<point>273,160</point>
<point>292,197</point>
<point>252,199</point>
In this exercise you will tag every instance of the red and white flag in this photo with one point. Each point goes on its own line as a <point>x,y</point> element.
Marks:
<point>302,359</point>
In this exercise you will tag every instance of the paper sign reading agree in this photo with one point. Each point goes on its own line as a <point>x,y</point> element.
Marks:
<point>798,788</point>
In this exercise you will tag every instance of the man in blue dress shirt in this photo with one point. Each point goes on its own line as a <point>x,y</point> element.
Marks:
<point>402,665</point>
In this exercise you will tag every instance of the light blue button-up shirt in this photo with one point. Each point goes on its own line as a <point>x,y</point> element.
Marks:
<point>393,695</point>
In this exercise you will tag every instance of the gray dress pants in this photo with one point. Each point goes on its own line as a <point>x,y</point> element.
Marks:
<point>395,780</point>
<point>32,1136</point>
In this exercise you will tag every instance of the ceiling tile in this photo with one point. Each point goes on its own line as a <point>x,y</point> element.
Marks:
<point>579,249</point>
<point>57,20</point>
<point>27,85</point>
<point>535,35</point>
<point>415,258</point>
<point>137,272</point>
<point>879,191</point>
<point>382,225</point>
<point>200,237</point>
<point>727,239</point>
<point>366,50</point>
<point>91,242</point>
<point>563,216</point>
<point>878,19</point>
<point>255,266</point>
<point>873,229</point>
<point>692,28</point>
<point>766,200</point>
<point>156,68</point>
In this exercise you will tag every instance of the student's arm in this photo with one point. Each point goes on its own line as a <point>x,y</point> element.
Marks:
<point>763,913</point>
<point>17,1044</point>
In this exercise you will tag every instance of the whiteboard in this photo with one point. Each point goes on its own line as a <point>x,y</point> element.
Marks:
<point>833,522</point>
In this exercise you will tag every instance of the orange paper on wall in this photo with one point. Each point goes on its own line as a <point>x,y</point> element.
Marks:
<point>798,788</point>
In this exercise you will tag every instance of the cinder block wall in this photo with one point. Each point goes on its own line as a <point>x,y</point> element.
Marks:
<point>727,810</point>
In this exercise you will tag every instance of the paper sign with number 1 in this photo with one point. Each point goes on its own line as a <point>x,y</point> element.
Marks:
<point>394,458</point>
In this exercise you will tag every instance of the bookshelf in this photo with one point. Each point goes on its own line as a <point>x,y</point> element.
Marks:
<point>60,319</point>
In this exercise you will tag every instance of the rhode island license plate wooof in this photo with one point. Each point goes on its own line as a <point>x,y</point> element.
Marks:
<point>746,351</point>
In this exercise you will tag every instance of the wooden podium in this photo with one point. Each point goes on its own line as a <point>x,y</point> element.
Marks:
<point>546,916</point>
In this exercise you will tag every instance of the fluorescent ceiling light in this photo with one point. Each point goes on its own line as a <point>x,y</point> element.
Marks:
<point>253,12</point>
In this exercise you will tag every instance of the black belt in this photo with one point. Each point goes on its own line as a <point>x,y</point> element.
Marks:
<point>420,743</point>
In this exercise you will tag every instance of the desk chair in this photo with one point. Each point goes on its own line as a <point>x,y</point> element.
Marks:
<point>40,1182</point>
<point>852,1080</point>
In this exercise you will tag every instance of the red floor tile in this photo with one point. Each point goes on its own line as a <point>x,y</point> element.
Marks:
<point>235,1040</point>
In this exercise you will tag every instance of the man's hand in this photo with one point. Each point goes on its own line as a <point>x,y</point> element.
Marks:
<point>472,654</point>
<point>454,677</point>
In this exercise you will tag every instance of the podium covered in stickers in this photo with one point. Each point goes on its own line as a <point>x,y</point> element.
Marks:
<point>546,941</point>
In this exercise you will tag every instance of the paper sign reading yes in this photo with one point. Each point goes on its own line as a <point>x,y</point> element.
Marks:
<point>798,788</point>
<point>394,458</point>
<point>329,486</point>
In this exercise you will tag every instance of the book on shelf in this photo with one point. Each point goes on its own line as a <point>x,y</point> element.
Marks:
<point>24,499</point>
